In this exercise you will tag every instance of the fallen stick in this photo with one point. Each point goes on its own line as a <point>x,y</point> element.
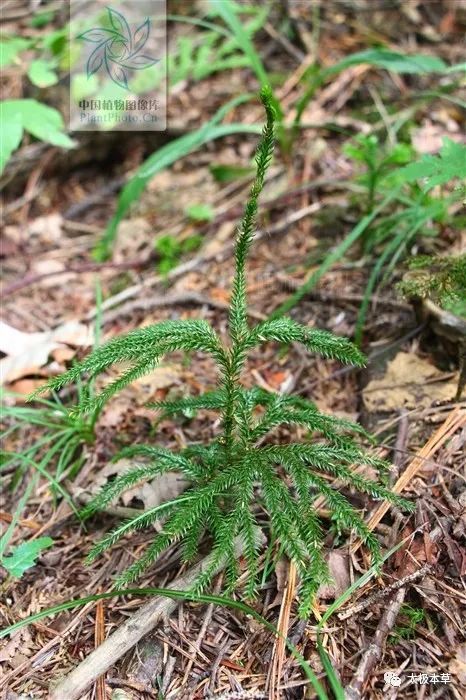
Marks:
<point>128,635</point>
<point>384,592</point>
<point>155,302</point>
<point>374,651</point>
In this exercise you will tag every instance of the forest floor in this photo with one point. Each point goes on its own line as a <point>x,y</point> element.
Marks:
<point>54,216</point>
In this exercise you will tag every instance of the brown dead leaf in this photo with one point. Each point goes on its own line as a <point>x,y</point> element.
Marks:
<point>151,494</point>
<point>21,639</point>
<point>281,572</point>
<point>409,382</point>
<point>114,412</point>
<point>338,564</point>
<point>160,490</point>
<point>457,665</point>
<point>25,387</point>
<point>47,228</point>
<point>278,380</point>
<point>160,378</point>
<point>224,233</point>
<point>26,353</point>
<point>134,236</point>
<point>220,294</point>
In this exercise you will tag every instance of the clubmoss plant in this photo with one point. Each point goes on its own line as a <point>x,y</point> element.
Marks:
<point>244,466</point>
<point>439,285</point>
<point>441,279</point>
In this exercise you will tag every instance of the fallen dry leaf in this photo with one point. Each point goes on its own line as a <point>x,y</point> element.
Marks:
<point>25,387</point>
<point>160,490</point>
<point>133,237</point>
<point>338,564</point>
<point>161,377</point>
<point>26,353</point>
<point>409,382</point>
<point>458,664</point>
<point>224,233</point>
<point>47,228</point>
<point>151,494</point>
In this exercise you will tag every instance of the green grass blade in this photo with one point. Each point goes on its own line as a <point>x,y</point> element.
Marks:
<point>6,537</point>
<point>332,258</point>
<point>338,690</point>
<point>226,10</point>
<point>39,466</point>
<point>362,313</point>
<point>204,24</point>
<point>31,451</point>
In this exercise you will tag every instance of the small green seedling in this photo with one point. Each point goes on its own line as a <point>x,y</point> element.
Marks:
<point>378,162</point>
<point>200,212</point>
<point>170,250</point>
<point>411,617</point>
<point>245,471</point>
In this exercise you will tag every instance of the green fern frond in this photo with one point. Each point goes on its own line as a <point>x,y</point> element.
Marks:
<point>284,517</point>
<point>176,461</point>
<point>279,412</point>
<point>187,516</point>
<point>332,461</point>
<point>191,542</point>
<point>345,515</point>
<point>97,402</point>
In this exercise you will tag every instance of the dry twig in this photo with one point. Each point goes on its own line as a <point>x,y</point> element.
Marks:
<point>374,650</point>
<point>278,653</point>
<point>384,592</point>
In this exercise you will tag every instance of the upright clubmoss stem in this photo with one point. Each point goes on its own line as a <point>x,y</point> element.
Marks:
<point>238,324</point>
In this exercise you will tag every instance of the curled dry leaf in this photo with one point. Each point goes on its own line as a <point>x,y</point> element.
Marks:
<point>338,564</point>
<point>151,494</point>
<point>160,490</point>
<point>27,353</point>
<point>161,377</point>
